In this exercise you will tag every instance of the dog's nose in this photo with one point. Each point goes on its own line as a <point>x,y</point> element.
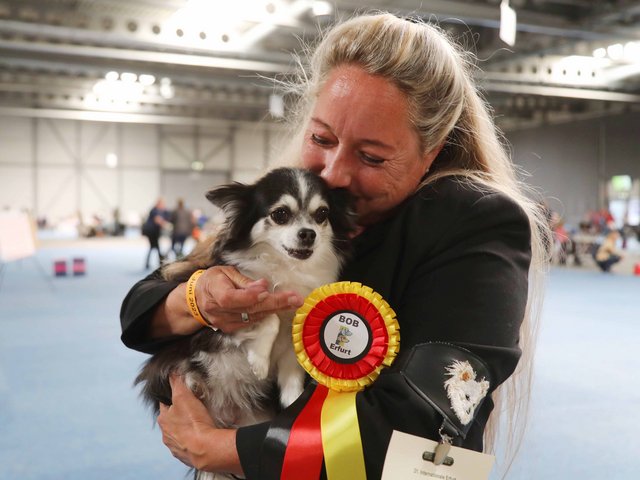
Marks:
<point>306,236</point>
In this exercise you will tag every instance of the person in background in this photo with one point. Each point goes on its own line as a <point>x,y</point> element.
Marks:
<point>388,110</point>
<point>119,228</point>
<point>152,229</point>
<point>183,225</point>
<point>607,254</point>
<point>564,242</point>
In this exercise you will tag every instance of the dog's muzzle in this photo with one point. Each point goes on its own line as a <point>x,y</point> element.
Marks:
<point>299,253</point>
<point>306,237</point>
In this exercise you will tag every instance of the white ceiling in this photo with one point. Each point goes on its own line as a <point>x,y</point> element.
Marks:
<point>55,54</point>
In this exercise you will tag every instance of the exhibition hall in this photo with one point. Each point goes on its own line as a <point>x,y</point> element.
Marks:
<point>309,239</point>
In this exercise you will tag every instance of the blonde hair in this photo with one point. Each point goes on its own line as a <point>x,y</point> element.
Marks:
<point>445,108</point>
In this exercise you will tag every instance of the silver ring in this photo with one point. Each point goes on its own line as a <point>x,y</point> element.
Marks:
<point>245,317</point>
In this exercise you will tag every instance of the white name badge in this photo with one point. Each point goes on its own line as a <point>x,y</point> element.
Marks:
<point>405,460</point>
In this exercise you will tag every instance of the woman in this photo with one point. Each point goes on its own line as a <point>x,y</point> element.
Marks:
<point>387,110</point>
<point>607,254</point>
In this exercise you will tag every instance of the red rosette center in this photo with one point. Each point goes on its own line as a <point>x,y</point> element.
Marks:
<point>345,336</point>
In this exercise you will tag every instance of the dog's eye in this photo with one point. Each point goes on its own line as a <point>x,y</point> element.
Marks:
<point>281,215</point>
<point>321,215</point>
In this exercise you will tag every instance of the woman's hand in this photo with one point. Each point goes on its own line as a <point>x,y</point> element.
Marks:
<point>223,294</point>
<point>189,432</point>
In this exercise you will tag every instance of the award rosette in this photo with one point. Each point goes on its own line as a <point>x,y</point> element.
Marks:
<point>343,335</point>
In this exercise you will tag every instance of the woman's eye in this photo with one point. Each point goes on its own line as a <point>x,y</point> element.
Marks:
<point>318,140</point>
<point>281,215</point>
<point>321,215</point>
<point>371,159</point>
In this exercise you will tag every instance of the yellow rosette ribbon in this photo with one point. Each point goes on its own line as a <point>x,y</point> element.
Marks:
<point>343,335</point>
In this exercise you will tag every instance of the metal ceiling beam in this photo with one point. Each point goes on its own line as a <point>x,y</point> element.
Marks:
<point>565,92</point>
<point>117,117</point>
<point>126,40</point>
<point>145,57</point>
<point>487,16</point>
<point>67,72</point>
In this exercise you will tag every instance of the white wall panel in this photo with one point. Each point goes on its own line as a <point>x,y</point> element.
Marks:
<point>215,152</point>
<point>57,142</point>
<point>16,187</point>
<point>246,176</point>
<point>249,149</point>
<point>249,156</point>
<point>622,150</point>
<point>140,189</point>
<point>98,192</point>
<point>180,147</point>
<point>139,145</point>
<point>98,140</point>
<point>15,141</point>
<point>57,192</point>
<point>278,139</point>
<point>563,163</point>
<point>191,187</point>
<point>57,167</point>
<point>177,151</point>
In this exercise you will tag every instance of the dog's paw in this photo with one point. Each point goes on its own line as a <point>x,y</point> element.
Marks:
<point>259,365</point>
<point>290,393</point>
<point>260,371</point>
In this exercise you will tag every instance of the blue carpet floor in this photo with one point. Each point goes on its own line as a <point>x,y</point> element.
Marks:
<point>68,410</point>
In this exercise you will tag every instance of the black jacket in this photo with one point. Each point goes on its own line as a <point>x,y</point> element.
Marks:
<point>453,263</point>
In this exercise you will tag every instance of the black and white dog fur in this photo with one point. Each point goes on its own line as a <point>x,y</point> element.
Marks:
<point>290,229</point>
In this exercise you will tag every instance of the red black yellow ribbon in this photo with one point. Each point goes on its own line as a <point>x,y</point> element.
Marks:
<point>343,335</point>
<point>305,435</point>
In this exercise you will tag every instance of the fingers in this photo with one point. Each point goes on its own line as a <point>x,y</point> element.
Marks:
<point>275,303</point>
<point>266,302</point>
<point>233,299</point>
<point>168,424</point>
<point>178,387</point>
<point>242,281</point>
<point>230,322</point>
<point>174,380</point>
<point>223,294</point>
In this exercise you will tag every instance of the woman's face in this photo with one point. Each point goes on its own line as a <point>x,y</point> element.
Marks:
<point>360,138</point>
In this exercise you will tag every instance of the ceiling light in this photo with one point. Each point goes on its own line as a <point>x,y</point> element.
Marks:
<point>112,76</point>
<point>632,51</point>
<point>507,23</point>
<point>166,89</point>
<point>321,8</point>
<point>128,77</point>
<point>197,166</point>
<point>615,51</point>
<point>600,52</point>
<point>146,79</point>
<point>202,15</point>
<point>276,105</point>
<point>118,89</point>
<point>111,160</point>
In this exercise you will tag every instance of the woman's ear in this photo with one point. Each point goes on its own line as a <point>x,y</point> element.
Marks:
<point>430,156</point>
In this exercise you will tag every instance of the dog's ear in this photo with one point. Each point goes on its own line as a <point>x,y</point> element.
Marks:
<point>232,198</point>
<point>237,203</point>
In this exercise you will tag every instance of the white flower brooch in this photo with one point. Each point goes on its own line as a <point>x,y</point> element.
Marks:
<point>464,392</point>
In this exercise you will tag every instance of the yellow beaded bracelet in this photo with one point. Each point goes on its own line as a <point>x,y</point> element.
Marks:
<point>191,299</point>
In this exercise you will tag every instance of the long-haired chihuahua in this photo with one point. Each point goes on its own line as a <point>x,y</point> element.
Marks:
<point>289,228</point>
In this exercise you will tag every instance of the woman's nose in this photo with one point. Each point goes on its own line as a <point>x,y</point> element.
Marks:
<point>336,170</point>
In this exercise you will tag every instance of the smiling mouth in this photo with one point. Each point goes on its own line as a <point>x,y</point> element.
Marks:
<point>299,253</point>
